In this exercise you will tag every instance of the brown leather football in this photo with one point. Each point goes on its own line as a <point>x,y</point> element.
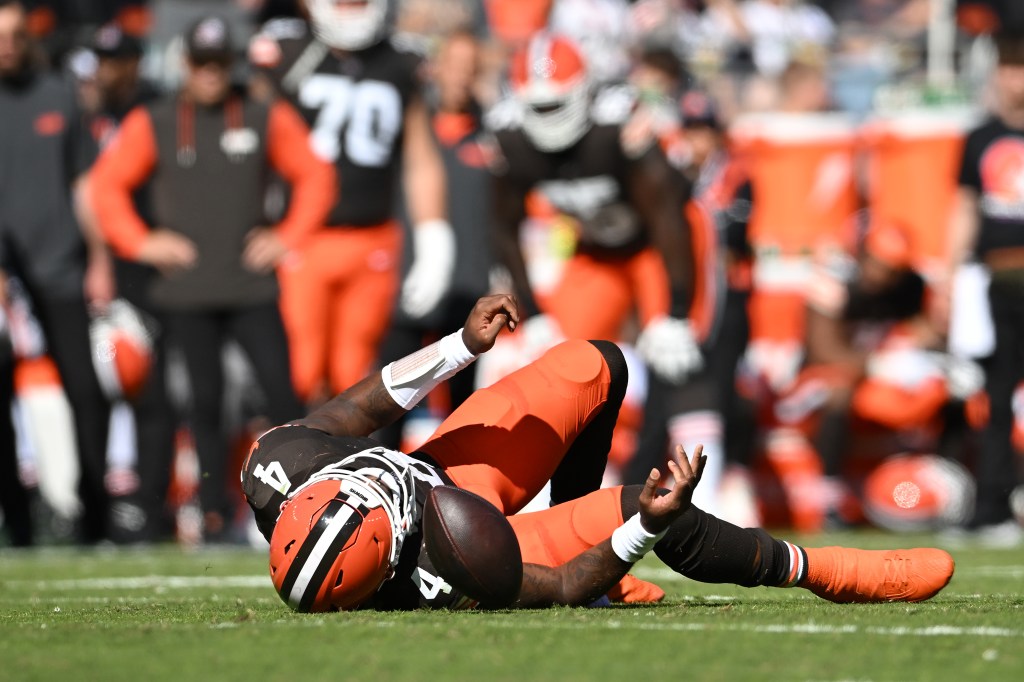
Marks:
<point>472,545</point>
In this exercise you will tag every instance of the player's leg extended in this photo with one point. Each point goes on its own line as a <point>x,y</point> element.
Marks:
<point>705,548</point>
<point>507,440</point>
<point>361,310</point>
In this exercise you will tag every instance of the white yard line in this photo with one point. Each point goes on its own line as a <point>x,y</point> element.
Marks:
<point>775,629</point>
<point>810,628</point>
<point>145,582</point>
<point>657,574</point>
<point>667,575</point>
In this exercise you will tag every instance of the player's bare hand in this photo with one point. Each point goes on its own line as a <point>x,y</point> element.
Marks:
<point>658,512</point>
<point>264,250</point>
<point>168,251</point>
<point>489,316</point>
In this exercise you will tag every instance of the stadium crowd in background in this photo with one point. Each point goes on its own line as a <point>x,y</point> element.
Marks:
<point>790,283</point>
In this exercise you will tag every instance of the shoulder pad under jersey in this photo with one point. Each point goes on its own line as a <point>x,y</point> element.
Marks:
<point>613,104</point>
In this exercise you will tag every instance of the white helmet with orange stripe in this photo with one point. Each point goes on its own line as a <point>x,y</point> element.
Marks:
<point>549,78</point>
<point>122,349</point>
<point>350,24</point>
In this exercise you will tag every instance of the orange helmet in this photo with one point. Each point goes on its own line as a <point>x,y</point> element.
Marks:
<point>122,349</point>
<point>918,493</point>
<point>340,534</point>
<point>549,78</point>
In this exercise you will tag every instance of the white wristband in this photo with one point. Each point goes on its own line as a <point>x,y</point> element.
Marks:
<point>631,542</point>
<point>410,379</point>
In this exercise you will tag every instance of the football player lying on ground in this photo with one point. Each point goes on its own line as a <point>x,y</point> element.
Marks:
<point>344,515</point>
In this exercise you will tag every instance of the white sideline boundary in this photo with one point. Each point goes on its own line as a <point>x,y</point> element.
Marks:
<point>179,582</point>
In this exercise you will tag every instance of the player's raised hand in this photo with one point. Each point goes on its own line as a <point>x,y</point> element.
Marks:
<point>486,320</point>
<point>658,512</point>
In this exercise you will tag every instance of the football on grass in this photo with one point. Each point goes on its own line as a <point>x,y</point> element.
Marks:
<point>472,546</point>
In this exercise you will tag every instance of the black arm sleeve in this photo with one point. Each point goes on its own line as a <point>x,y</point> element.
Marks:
<point>660,194</point>
<point>509,211</point>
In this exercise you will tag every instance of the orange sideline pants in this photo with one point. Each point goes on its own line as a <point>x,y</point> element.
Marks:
<point>337,295</point>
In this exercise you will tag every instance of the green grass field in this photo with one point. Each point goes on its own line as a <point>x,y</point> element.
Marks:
<point>171,614</point>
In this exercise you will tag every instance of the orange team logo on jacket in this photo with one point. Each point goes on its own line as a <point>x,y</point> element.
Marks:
<point>1002,178</point>
<point>49,123</point>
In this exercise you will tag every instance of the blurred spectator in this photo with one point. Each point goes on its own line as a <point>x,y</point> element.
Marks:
<point>512,22</point>
<point>47,151</point>
<point>724,191</point>
<point>779,31</point>
<point>434,20</point>
<point>601,29</point>
<point>64,24</point>
<point>988,223</point>
<point>877,40</point>
<point>206,152</point>
<point>857,299</point>
<point>457,122</point>
<point>690,410</point>
<point>143,515</point>
<point>362,94</point>
<point>804,89</point>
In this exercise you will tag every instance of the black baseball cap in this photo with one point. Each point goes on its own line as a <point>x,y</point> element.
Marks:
<point>208,39</point>
<point>698,111</point>
<point>111,41</point>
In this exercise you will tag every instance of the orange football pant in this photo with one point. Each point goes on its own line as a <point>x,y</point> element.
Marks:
<point>337,295</point>
<point>505,442</point>
<point>595,296</point>
<point>551,537</point>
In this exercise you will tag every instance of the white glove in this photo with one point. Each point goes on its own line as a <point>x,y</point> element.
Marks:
<point>906,368</point>
<point>432,266</point>
<point>670,348</point>
<point>964,377</point>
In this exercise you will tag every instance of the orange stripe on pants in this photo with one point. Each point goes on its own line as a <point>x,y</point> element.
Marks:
<point>506,440</point>
<point>337,295</point>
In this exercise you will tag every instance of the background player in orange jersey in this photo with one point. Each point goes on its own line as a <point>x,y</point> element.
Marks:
<point>360,91</point>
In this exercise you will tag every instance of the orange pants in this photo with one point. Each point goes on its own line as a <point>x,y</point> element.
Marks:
<point>595,296</point>
<point>551,537</point>
<point>505,442</point>
<point>336,300</point>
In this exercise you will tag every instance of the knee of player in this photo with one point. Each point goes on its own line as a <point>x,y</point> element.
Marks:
<point>576,360</point>
<point>614,360</point>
